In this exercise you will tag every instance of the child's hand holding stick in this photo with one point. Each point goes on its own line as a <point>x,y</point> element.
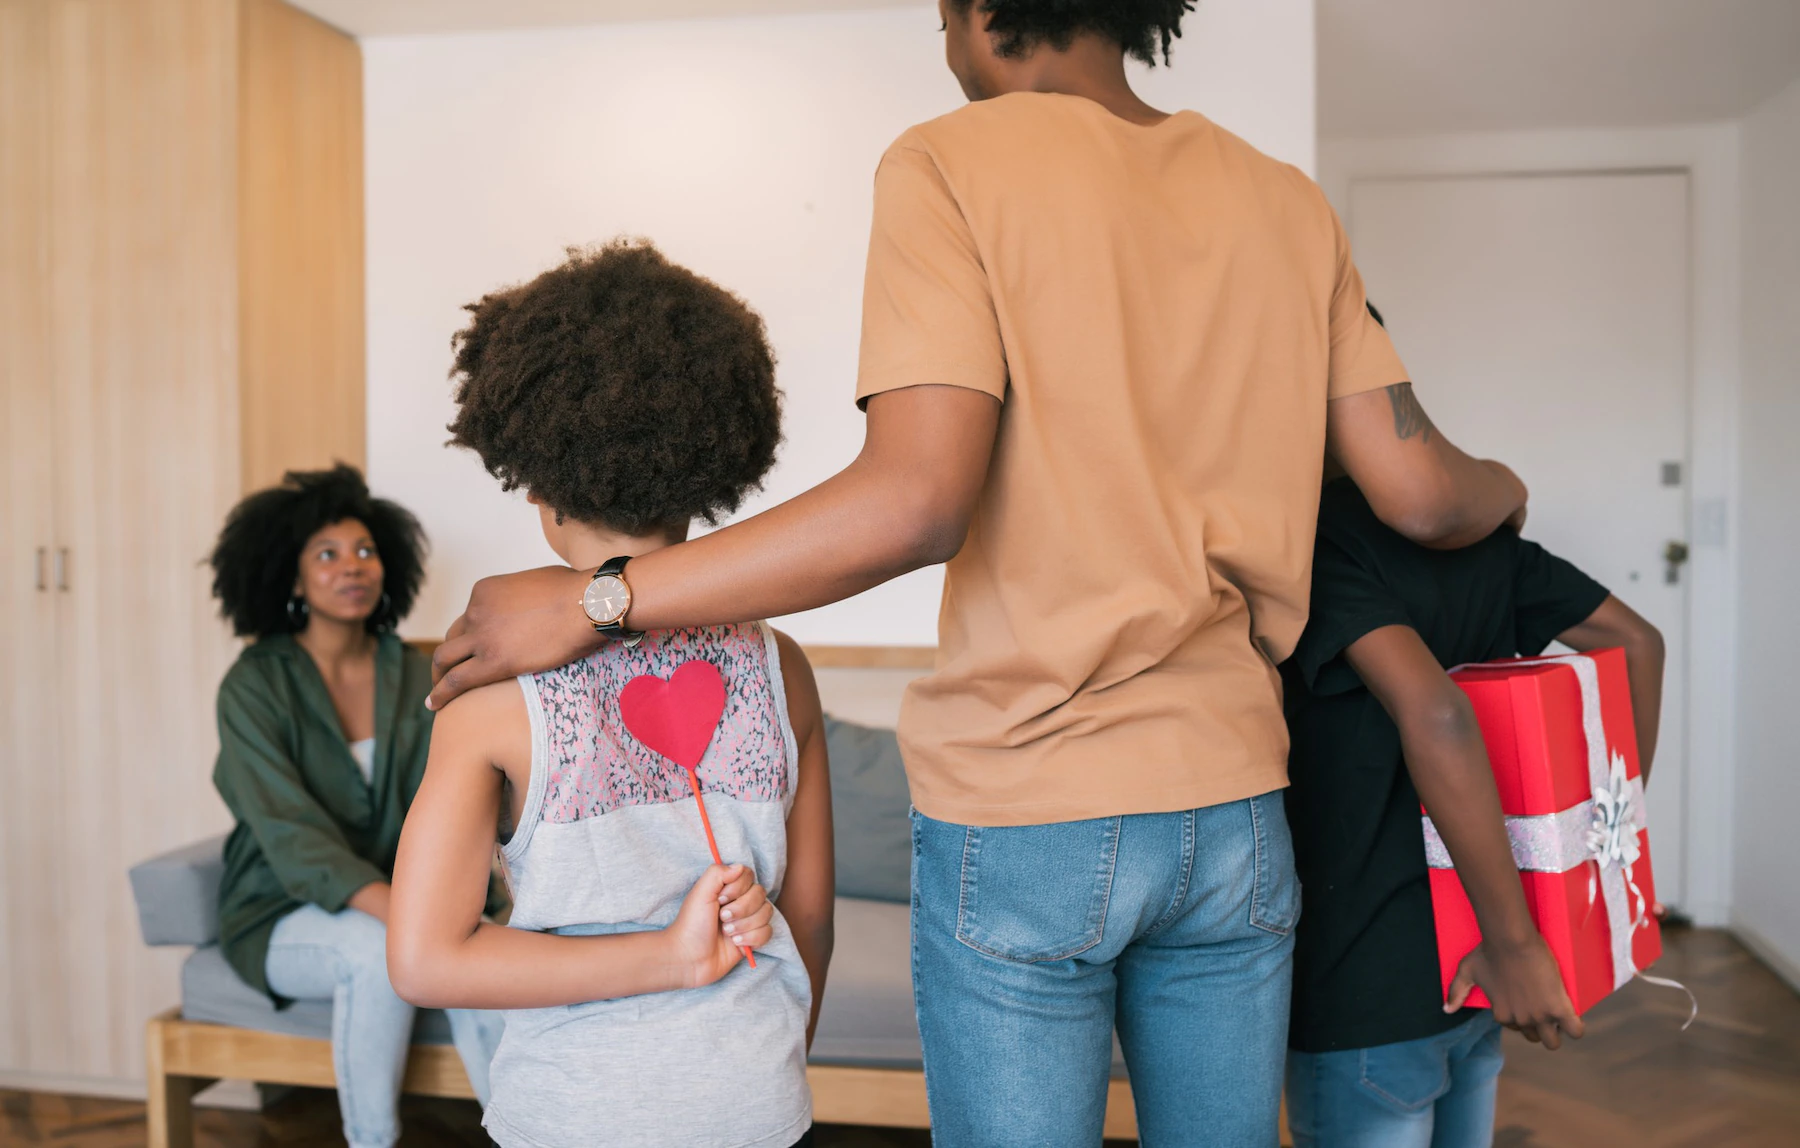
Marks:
<point>723,917</point>
<point>706,824</point>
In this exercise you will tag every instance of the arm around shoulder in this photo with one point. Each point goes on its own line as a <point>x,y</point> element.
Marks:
<point>1416,480</point>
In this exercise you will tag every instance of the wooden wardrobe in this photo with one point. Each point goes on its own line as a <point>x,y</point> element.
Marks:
<point>181,320</point>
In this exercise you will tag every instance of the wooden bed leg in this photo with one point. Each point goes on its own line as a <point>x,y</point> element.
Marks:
<point>170,1115</point>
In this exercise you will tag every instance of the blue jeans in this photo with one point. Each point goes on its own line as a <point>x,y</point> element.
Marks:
<point>1435,1092</point>
<point>342,957</point>
<point>1030,944</point>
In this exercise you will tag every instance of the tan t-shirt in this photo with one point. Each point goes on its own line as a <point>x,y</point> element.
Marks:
<point>1163,312</point>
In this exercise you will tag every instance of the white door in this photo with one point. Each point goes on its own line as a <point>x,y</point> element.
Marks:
<point>1544,322</point>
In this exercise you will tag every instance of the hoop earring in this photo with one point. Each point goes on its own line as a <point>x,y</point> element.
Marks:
<point>297,612</point>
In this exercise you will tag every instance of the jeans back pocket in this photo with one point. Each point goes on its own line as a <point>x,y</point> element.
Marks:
<point>1409,1076</point>
<point>1036,893</point>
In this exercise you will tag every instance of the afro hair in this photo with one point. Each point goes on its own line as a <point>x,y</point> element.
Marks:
<point>1141,27</point>
<point>257,557</point>
<point>619,389</point>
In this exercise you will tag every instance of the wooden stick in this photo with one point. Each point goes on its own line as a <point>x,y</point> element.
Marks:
<point>711,843</point>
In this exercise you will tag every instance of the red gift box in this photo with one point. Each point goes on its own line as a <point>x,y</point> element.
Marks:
<point>1561,740</point>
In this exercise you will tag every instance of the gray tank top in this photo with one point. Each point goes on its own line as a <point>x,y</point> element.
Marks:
<point>609,840</point>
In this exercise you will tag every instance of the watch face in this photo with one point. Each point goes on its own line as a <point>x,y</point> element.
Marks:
<point>606,599</point>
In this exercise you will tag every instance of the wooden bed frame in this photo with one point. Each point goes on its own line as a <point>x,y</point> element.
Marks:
<point>183,1056</point>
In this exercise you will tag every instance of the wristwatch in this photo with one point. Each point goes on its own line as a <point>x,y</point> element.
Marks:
<point>607,600</point>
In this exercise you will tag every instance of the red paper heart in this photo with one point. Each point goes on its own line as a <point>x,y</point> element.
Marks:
<point>676,718</point>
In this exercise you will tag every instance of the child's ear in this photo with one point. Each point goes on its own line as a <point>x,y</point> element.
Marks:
<point>531,497</point>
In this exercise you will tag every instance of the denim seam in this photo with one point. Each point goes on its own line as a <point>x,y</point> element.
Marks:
<point>1181,886</point>
<point>1109,871</point>
<point>344,1007</point>
<point>1314,1068</point>
<point>1258,879</point>
<point>971,849</point>
<point>918,982</point>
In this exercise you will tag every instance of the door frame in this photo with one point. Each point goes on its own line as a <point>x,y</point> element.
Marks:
<point>1708,154</point>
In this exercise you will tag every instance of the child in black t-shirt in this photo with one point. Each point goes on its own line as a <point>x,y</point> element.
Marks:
<point>1376,1055</point>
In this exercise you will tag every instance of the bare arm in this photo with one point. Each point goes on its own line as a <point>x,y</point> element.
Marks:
<point>1449,766</point>
<point>1616,624</point>
<point>441,954</point>
<point>372,899</point>
<point>905,502</point>
<point>1415,479</point>
<point>808,894</point>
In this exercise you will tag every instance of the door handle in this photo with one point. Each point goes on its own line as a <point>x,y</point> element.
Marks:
<point>62,568</point>
<point>1675,556</point>
<point>43,552</point>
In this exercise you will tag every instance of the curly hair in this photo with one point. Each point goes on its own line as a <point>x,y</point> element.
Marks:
<point>620,389</point>
<point>1139,26</point>
<point>257,557</point>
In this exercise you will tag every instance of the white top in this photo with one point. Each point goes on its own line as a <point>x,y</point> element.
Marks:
<point>364,753</point>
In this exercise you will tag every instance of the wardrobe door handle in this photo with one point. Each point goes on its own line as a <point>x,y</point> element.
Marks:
<point>62,568</point>
<point>42,553</point>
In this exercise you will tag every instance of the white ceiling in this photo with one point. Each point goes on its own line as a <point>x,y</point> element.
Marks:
<point>1386,67</point>
<point>1401,67</point>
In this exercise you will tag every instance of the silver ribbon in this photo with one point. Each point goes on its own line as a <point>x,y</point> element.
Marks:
<point>1603,829</point>
<point>1545,842</point>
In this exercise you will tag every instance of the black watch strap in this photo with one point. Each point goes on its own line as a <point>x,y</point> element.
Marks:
<point>615,630</point>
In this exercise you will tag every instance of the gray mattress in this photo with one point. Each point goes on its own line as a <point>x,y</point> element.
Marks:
<point>868,1016</point>
<point>212,991</point>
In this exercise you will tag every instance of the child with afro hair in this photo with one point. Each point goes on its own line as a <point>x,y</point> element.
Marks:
<point>628,397</point>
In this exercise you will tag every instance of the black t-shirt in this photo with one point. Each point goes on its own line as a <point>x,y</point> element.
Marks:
<point>1365,955</point>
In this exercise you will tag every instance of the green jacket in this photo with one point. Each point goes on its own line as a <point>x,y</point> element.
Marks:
<point>309,829</point>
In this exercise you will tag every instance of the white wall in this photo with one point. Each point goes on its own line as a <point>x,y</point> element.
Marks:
<point>1765,904</point>
<point>746,149</point>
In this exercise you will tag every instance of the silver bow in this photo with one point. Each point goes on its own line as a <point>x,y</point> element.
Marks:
<point>1613,835</point>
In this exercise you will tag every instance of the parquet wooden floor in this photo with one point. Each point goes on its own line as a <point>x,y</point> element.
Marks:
<point>1637,1080</point>
<point>1732,1080</point>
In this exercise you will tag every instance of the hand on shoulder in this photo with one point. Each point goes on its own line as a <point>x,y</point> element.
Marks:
<point>515,624</point>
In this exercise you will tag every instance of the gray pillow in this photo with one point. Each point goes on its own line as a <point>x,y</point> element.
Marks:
<point>870,812</point>
<point>177,894</point>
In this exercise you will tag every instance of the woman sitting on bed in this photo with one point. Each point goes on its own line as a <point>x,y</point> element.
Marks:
<point>323,733</point>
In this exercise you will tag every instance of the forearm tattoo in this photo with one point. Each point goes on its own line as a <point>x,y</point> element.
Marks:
<point>1410,418</point>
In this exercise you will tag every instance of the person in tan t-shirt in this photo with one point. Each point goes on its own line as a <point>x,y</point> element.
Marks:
<point>1106,351</point>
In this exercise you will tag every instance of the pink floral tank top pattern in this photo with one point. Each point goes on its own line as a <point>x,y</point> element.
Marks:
<point>597,767</point>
